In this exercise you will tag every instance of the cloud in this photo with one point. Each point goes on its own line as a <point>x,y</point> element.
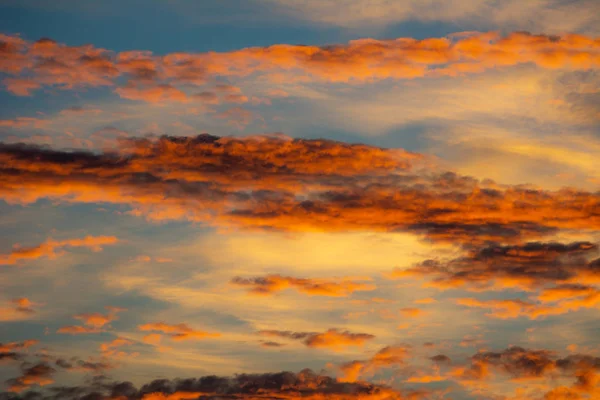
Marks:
<point>23,122</point>
<point>20,309</point>
<point>24,305</point>
<point>112,348</point>
<point>38,374</point>
<point>387,357</point>
<point>10,346</point>
<point>440,358</point>
<point>53,248</point>
<point>527,363</point>
<point>426,300</point>
<point>10,356</point>
<point>541,15</point>
<point>269,344</point>
<point>282,184</point>
<point>78,110</point>
<point>552,301</point>
<point>237,116</point>
<point>94,322</point>
<point>332,339</point>
<point>154,78</point>
<point>534,373</point>
<point>525,266</point>
<point>305,385</point>
<point>98,320</point>
<point>411,312</point>
<point>154,94</point>
<point>271,284</point>
<point>81,365</point>
<point>177,332</point>
<point>78,330</point>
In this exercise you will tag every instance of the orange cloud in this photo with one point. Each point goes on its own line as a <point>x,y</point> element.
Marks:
<point>152,94</point>
<point>271,284</point>
<point>97,320</point>
<point>305,385</point>
<point>172,396</point>
<point>78,330</point>
<point>411,312</point>
<point>277,183</point>
<point>532,373</point>
<point>333,338</point>
<point>23,122</point>
<point>526,365</point>
<point>11,346</point>
<point>152,338</point>
<point>177,332</point>
<point>38,374</point>
<point>426,300</point>
<point>20,307</point>
<point>384,358</point>
<point>552,301</point>
<point>52,248</point>
<point>112,348</point>
<point>94,322</point>
<point>47,63</point>
<point>523,266</point>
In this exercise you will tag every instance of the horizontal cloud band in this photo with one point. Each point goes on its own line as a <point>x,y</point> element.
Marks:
<point>155,78</point>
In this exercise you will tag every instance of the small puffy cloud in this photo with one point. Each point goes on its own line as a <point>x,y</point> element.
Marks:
<point>98,320</point>
<point>23,304</point>
<point>18,309</point>
<point>93,322</point>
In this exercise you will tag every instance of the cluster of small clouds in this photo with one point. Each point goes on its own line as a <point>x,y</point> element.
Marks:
<point>92,322</point>
<point>559,278</point>
<point>578,374</point>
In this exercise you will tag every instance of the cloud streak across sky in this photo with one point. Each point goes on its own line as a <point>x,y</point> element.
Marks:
<point>151,78</point>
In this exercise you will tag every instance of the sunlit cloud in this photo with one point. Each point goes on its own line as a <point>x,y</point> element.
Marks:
<point>176,332</point>
<point>313,287</point>
<point>54,248</point>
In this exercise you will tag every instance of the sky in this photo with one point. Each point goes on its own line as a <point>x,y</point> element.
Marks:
<point>299,199</point>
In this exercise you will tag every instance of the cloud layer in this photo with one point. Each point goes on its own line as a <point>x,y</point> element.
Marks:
<point>153,78</point>
<point>277,183</point>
